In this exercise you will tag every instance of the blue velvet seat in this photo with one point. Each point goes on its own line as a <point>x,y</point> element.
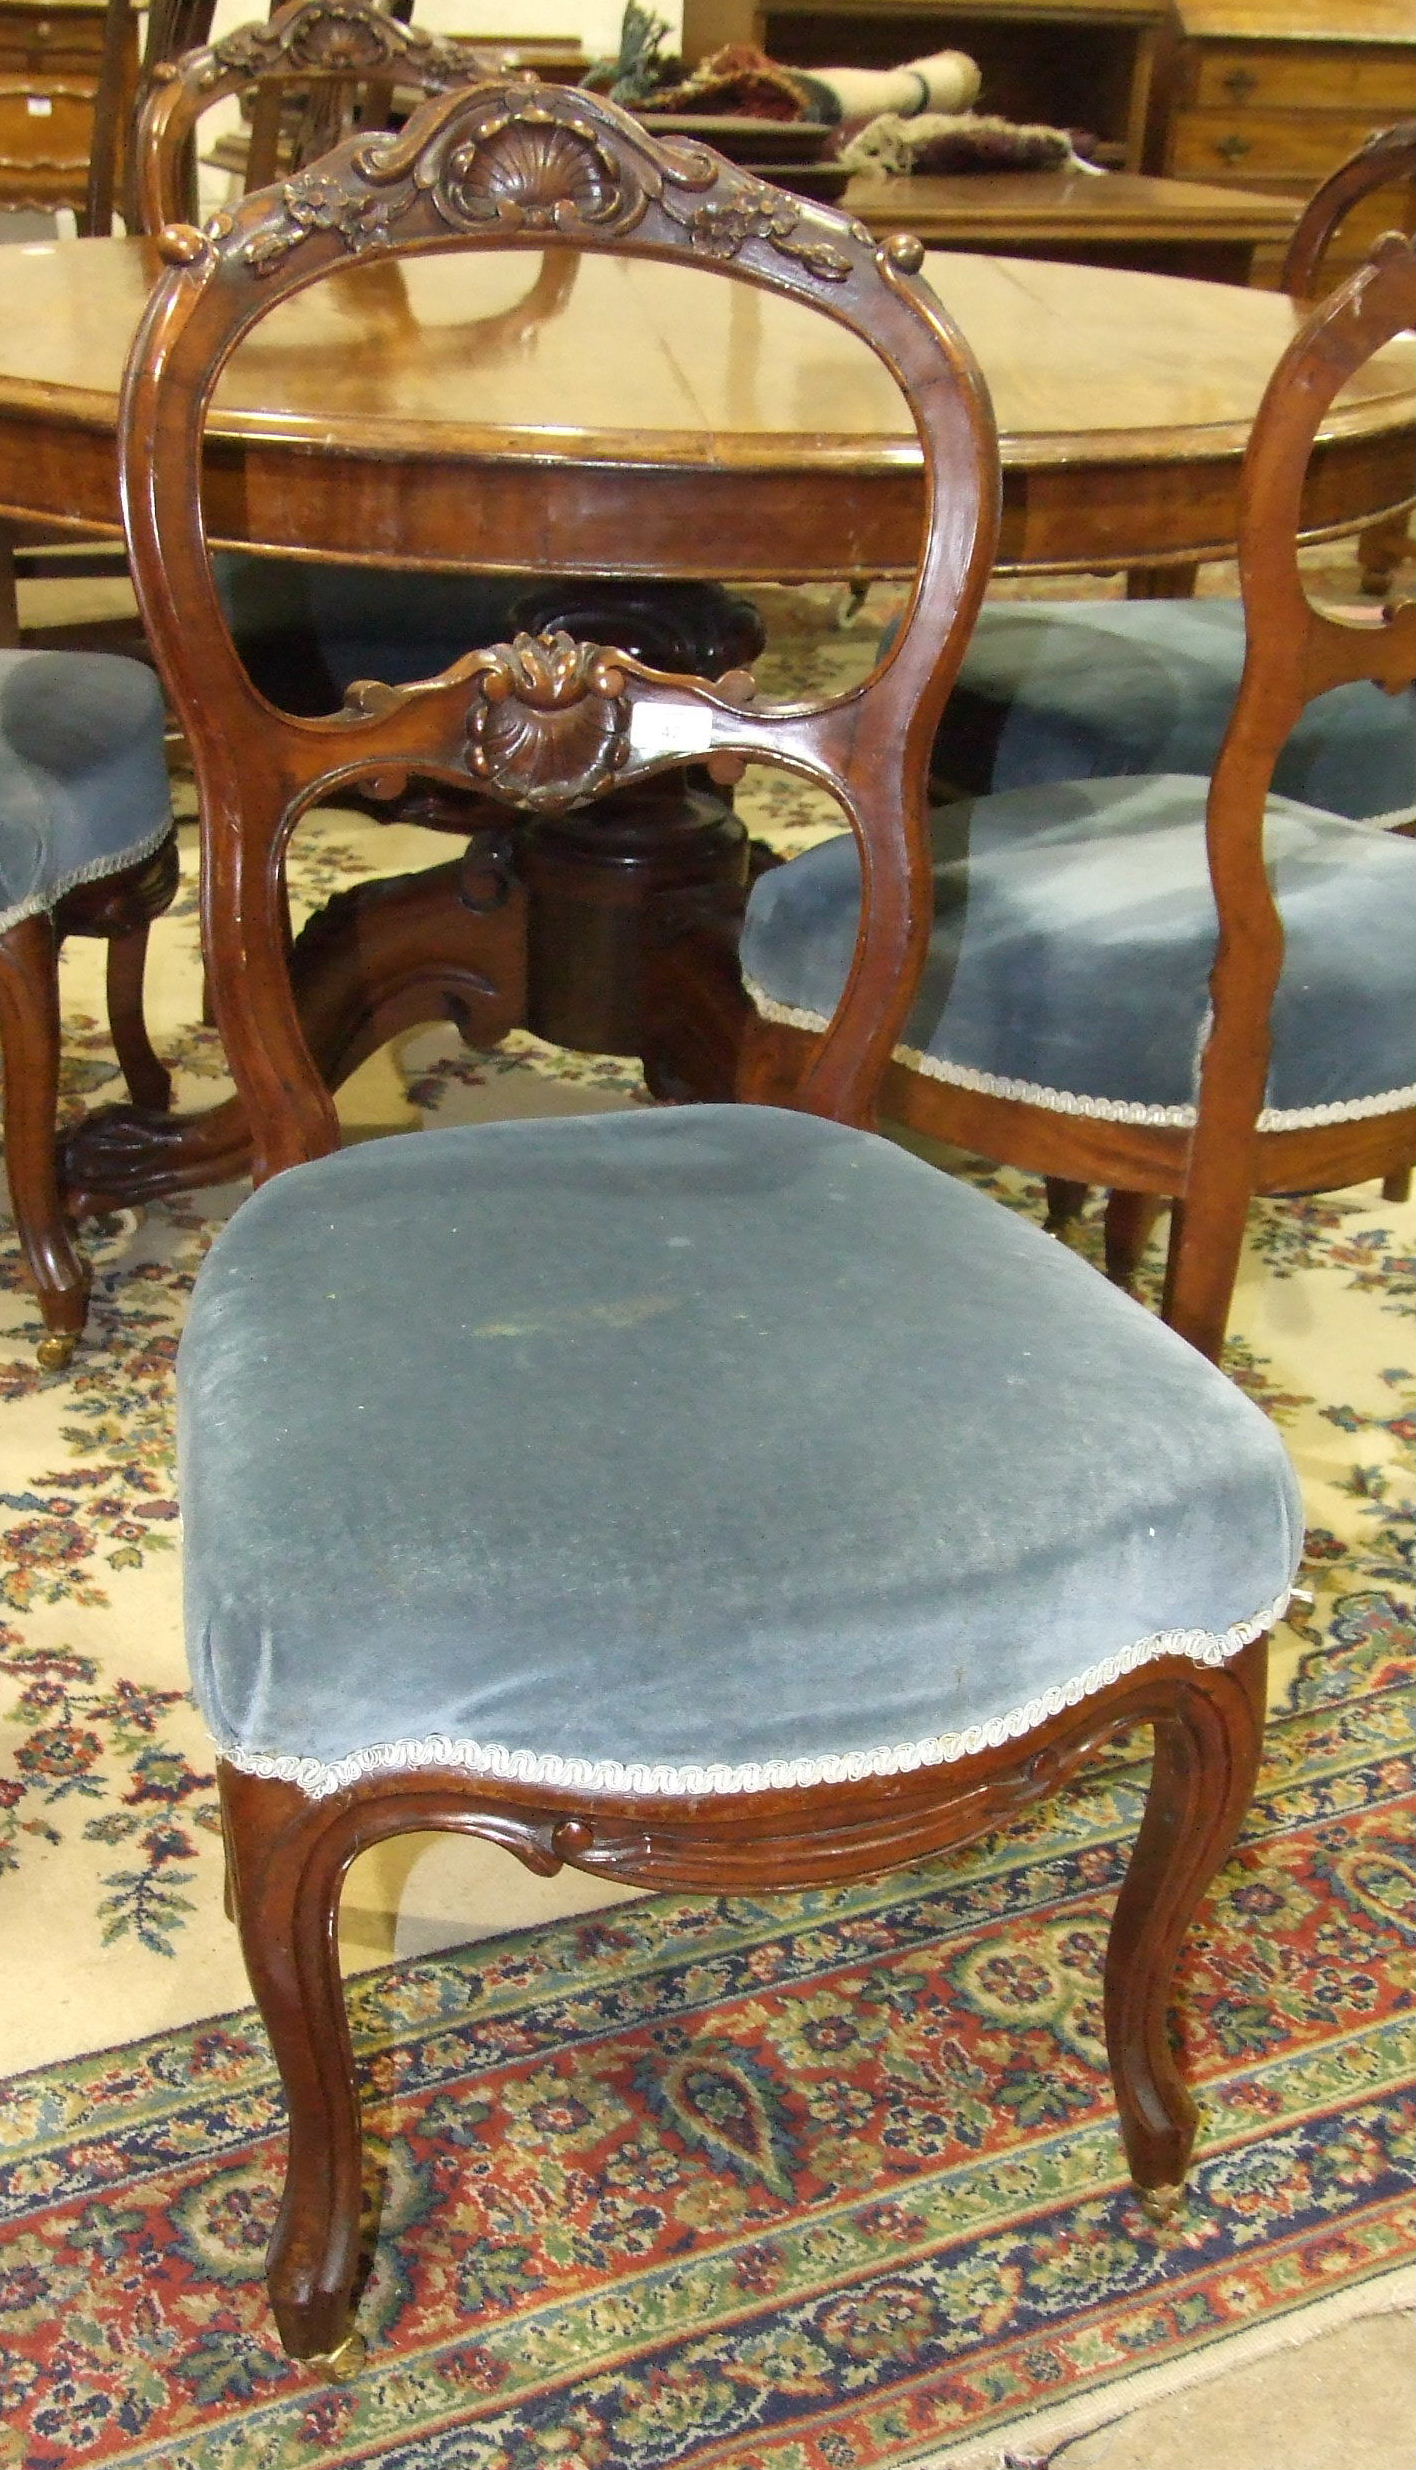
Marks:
<point>1078,690</point>
<point>83,801</point>
<point>307,629</point>
<point>687,1450</point>
<point>1074,931</point>
<point>83,779</point>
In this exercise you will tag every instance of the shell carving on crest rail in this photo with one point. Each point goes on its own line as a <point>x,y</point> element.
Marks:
<point>338,41</point>
<point>533,159</point>
<point>548,725</point>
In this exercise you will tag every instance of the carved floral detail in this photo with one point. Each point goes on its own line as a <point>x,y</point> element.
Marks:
<point>316,202</point>
<point>549,723</point>
<point>744,210</point>
<point>528,159</point>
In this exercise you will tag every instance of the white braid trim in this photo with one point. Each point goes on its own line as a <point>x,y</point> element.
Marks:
<point>89,873</point>
<point>319,1778</point>
<point>1105,1110</point>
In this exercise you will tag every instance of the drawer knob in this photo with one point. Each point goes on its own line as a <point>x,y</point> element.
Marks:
<point>1233,147</point>
<point>1239,83</point>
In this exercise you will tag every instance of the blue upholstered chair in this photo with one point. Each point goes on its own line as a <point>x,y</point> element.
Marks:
<point>711,1496</point>
<point>1088,690</point>
<point>1100,690</point>
<point>1072,1013</point>
<point>86,847</point>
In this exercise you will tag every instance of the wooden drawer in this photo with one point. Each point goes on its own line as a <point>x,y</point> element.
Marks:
<point>44,154</point>
<point>1235,145</point>
<point>1298,77</point>
<point>50,47</point>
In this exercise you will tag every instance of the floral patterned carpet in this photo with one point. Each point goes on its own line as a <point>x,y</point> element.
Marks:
<point>805,2183</point>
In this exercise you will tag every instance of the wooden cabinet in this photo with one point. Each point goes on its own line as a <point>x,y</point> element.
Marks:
<point>50,55</point>
<point>1274,94</point>
<point>1081,64</point>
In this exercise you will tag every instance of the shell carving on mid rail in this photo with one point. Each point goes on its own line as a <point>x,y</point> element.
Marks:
<point>535,159</point>
<point>549,721</point>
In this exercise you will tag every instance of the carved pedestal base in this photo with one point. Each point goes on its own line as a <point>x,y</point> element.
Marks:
<point>606,886</point>
<point>443,944</point>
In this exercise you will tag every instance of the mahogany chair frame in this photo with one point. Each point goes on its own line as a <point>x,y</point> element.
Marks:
<point>1208,1172</point>
<point>538,724</point>
<point>119,908</point>
<point>350,52</point>
<point>1387,157</point>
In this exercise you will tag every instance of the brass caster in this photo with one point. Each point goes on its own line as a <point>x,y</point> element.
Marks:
<point>1160,2204</point>
<point>343,2364</point>
<point>1069,1230</point>
<point>54,1351</point>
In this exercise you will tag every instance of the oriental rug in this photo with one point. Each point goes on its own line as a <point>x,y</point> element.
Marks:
<point>785,2183</point>
<point>804,2183</point>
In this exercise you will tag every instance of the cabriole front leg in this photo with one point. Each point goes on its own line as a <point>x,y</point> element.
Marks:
<point>1208,1736</point>
<point>286,1861</point>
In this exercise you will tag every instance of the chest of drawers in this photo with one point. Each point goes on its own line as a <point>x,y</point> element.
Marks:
<point>51,52</point>
<point>1274,94</point>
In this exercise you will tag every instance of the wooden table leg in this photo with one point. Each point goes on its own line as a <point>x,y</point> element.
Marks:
<point>1161,582</point>
<point>1380,550</point>
<point>606,885</point>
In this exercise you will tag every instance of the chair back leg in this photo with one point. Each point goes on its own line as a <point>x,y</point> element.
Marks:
<point>1201,1267</point>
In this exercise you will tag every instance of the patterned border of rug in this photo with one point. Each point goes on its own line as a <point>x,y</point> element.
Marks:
<point>804,2181</point>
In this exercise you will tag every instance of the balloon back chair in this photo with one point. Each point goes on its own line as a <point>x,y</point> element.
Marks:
<point>1385,160</point>
<point>1063,1024</point>
<point>705,1497</point>
<point>340,58</point>
<point>1069,690</point>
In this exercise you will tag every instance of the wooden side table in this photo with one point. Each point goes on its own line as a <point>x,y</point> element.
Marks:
<point>51,53</point>
<point>1276,93</point>
<point>1124,219</point>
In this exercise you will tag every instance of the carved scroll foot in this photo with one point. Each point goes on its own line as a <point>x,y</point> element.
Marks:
<point>121,1156</point>
<point>1160,2204</point>
<point>445,943</point>
<point>344,2365</point>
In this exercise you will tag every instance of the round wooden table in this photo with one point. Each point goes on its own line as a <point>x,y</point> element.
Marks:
<point>617,417</point>
<point>612,417</point>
